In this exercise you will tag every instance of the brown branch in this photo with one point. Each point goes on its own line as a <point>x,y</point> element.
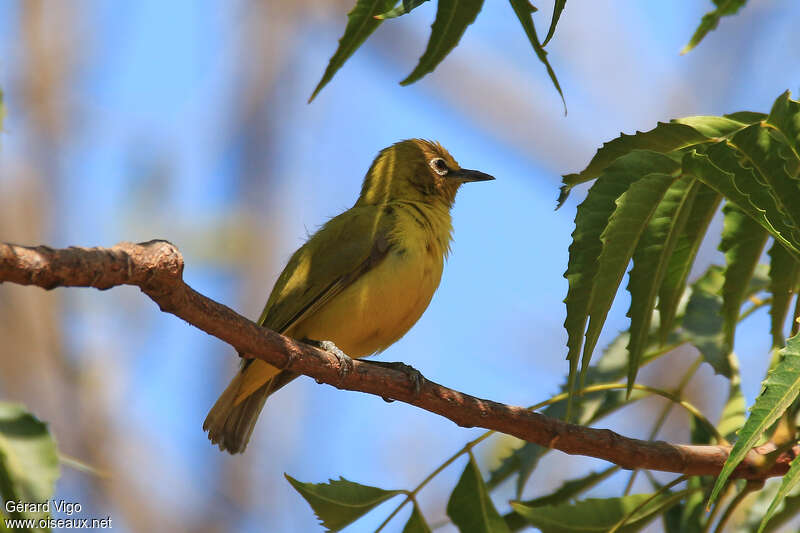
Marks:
<point>157,267</point>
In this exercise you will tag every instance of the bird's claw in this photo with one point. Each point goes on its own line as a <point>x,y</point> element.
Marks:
<point>414,375</point>
<point>345,362</point>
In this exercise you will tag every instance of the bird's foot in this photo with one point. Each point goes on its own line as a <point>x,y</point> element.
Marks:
<point>414,375</point>
<point>345,362</point>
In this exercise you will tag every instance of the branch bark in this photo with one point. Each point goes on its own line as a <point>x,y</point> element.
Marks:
<point>156,267</point>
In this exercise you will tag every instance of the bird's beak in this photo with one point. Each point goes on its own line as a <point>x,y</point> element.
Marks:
<point>465,174</point>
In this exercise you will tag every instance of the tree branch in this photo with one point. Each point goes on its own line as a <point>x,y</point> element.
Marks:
<point>156,267</point>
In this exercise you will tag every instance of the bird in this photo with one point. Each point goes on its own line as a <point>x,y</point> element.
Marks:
<point>361,281</point>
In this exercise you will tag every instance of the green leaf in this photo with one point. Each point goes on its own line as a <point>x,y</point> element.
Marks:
<point>665,138</point>
<point>650,265</point>
<point>416,522</point>
<point>783,278</point>
<point>470,507</point>
<point>558,8</point>
<point>591,226</point>
<point>452,19</point>
<point>688,516</point>
<point>743,240</point>
<point>28,457</point>
<point>785,117</point>
<point>2,110</point>
<point>570,489</point>
<point>787,512</point>
<point>702,208</point>
<point>361,22</point>
<point>340,502</point>
<point>789,482</point>
<point>597,515</point>
<point>620,238</point>
<point>524,11</point>
<point>719,168</point>
<point>405,7</point>
<point>778,391</point>
<point>523,460</point>
<point>711,19</point>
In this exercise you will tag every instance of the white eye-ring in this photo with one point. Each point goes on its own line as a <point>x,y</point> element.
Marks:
<point>439,166</point>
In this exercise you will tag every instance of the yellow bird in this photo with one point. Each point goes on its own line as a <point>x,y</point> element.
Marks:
<point>361,281</point>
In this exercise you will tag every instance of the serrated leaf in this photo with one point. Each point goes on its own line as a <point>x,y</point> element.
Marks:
<point>665,138</point>
<point>778,392</point>
<point>416,522</point>
<point>405,7</point>
<point>524,11</point>
<point>704,204</point>
<point>470,507</point>
<point>711,19</point>
<point>597,515</point>
<point>788,483</point>
<point>743,240</point>
<point>620,237</point>
<point>783,278</point>
<point>719,169</point>
<point>361,22</point>
<point>452,19</point>
<point>28,456</point>
<point>558,8</point>
<point>650,265</point>
<point>340,502</point>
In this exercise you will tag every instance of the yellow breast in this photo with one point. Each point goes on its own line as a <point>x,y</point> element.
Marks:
<point>382,305</point>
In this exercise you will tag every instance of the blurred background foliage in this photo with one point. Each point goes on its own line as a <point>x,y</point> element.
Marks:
<point>188,121</point>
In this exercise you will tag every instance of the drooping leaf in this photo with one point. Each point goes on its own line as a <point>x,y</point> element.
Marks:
<point>558,8</point>
<point>29,464</point>
<point>650,264</point>
<point>711,19</point>
<point>405,7</point>
<point>702,208</point>
<point>416,522</point>
<point>783,278</point>
<point>470,507</point>
<point>620,238</point>
<point>591,218</point>
<point>788,483</point>
<point>778,391</point>
<point>719,168</point>
<point>665,138</point>
<point>452,19</point>
<point>743,240</point>
<point>524,11</point>
<point>597,515</point>
<point>361,22</point>
<point>340,502</point>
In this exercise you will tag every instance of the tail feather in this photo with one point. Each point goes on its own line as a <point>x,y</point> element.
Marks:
<point>230,424</point>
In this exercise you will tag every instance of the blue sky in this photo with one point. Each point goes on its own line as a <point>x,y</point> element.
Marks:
<point>153,97</point>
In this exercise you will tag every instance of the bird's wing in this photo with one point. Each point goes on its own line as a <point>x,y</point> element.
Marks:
<point>342,250</point>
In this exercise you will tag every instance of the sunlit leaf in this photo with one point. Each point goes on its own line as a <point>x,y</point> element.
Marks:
<point>524,11</point>
<point>711,19</point>
<point>452,19</point>
<point>785,116</point>
<point>778,391</point>
<point>470,507</point>
<point>405,7</point>
<point>340,502</point>
<point>361,22</point>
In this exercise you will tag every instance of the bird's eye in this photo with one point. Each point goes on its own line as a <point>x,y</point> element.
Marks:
<point>439,166</point>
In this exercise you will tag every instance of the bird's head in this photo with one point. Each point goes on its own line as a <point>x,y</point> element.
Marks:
<point>417,170</point>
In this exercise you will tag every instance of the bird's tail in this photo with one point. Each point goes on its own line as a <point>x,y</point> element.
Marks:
<point>232,419</point>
